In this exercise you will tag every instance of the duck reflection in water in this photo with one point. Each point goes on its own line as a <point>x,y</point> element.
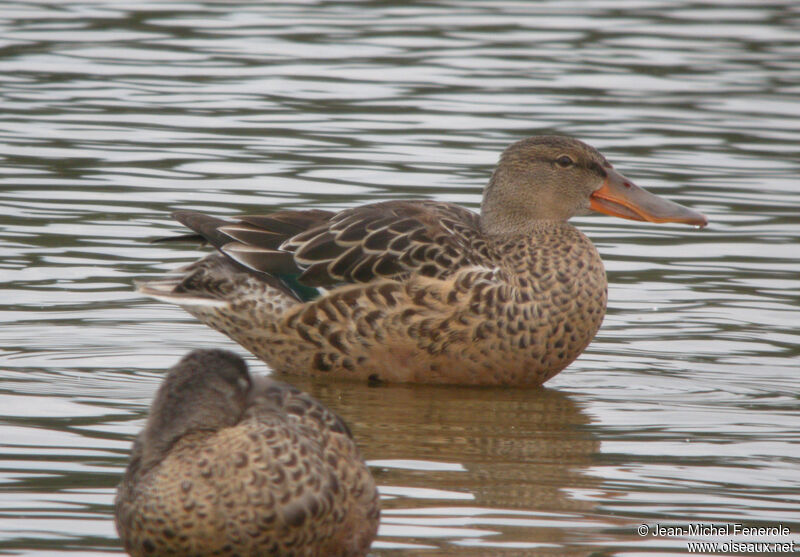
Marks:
<point>494,466</point>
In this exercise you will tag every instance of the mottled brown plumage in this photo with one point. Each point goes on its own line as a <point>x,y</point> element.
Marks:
<point>422,291</point>
<point>229,465</point>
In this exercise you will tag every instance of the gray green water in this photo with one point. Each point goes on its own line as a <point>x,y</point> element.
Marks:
<point>684,409</point>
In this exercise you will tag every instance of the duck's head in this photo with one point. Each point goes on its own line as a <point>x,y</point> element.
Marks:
<point>554,178</point>
<point>206,390</point>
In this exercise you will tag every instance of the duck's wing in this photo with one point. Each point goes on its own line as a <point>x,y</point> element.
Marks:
<point>358,245</point>
<point>268,231</point>
<point>385,240</point>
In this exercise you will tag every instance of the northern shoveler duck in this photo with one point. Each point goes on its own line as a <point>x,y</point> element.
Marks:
<point>422,291</point>
<point>230,464</point>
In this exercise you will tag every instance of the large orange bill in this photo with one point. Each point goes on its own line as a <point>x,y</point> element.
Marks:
<point>620,197</point>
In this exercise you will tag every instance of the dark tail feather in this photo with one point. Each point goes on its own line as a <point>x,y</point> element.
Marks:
<point>189,238</point>
<point>204,226</point>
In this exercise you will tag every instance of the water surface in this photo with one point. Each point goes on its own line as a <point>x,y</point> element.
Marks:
<point>683,410</point>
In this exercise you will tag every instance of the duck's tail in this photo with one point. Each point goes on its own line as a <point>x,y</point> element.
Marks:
<point>212,282</point>
<point>167,289</point>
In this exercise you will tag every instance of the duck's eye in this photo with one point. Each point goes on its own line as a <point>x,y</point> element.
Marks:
<point>564,161</point>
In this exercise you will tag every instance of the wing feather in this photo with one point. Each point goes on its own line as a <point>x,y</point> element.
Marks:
<point>322,248</point>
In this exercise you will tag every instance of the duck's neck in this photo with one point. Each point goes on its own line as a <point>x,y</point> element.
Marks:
<point>542,242</point>
<point>513,229</point>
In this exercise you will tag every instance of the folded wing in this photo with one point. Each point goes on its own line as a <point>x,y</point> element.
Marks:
<point>324,249</point>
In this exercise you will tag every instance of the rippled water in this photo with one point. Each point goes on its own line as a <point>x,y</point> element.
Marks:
<point>683,410</point>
